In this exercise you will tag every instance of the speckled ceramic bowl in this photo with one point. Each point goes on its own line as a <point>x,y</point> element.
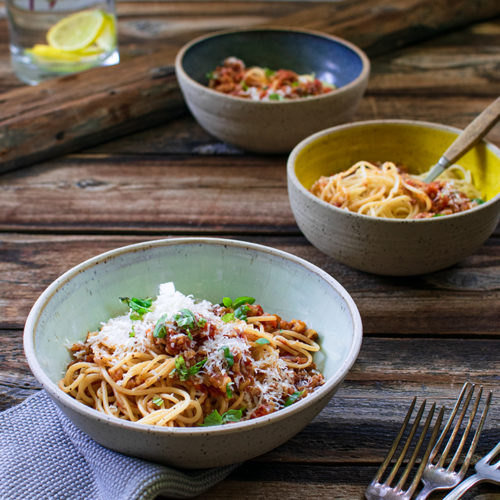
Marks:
<point>208,268</point>
<point>390,246</point>
<point>275,126</point>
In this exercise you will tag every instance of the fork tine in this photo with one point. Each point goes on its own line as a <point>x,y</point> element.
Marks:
<point>491,454</point>
<point>425,459</point>
<point>472,416</point>
<point>395,444</point>
<point>456,428</point>
<point>449,422</point>
<point>411,462</point>
<point>404,451</point>
<point>475,439</point>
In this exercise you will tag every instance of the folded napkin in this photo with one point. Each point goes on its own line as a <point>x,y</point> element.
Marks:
<point>44,456</point>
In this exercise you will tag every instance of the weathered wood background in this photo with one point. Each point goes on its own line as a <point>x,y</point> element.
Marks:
<point>423,336</point>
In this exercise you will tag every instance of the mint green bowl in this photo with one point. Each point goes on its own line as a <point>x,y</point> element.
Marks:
<point>208,268</point>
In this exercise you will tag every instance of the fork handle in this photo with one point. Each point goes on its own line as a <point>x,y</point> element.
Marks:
<point>464,486</point>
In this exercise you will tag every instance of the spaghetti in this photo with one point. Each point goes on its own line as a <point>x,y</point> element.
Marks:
<point>264,84</point>
<point>387,191</point>
<point>179,363</point>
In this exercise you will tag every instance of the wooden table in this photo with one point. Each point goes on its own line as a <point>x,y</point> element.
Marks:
<point>424,336</point>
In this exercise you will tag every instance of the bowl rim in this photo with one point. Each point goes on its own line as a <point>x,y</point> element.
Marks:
<point>363,75</point>
<point>66,400</point>
<point>292,176</point>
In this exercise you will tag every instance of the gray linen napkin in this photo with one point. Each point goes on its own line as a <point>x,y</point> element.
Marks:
<point>44,456</point>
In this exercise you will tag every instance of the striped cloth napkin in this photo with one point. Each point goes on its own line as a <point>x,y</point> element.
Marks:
<point>44,456</point>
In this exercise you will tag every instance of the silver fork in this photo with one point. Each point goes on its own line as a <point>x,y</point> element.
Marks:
<point>437,476</point>
<point>377,490</point>
<point>484,472</point>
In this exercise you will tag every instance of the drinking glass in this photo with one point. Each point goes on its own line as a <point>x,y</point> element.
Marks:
<point>50,38</point>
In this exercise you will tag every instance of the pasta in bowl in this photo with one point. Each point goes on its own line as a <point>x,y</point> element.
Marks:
<point>357,193</point>
<point>178,362</point>
<point>193,363</point>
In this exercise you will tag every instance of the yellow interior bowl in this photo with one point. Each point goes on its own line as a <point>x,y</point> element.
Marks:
<point>416,145</point>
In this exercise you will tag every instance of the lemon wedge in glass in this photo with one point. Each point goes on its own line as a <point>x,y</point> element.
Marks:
<point>106,38</point>
<point>77,31</point>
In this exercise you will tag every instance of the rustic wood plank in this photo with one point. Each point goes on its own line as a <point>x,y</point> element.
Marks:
<point>426,305</point>
<point>75,111</point>
<point>244,194</point>
<point>296,482</point>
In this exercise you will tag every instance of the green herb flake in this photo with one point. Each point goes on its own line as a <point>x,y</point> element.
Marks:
<point>295,84</point>
<point>210,75</point>
<point>269,72</point>
<point>479,201</point>
<point>213,418</point>
<point>185,318</point>
<point>229,392</point>
<point>293,397</point>
<point>132,332</point>
<point>228,317</point>
<point>241,312</point>
<point>160,329</point>
<point>157,401</point>
<point>227,302</point>
<point>232,416</point>
<point>438,215</point>
<point>244,86</point>
<point>242,300</point>
<point>228,355</point>
<point>185,372</point>
<point>275,97</point>
<point>262,341</point>
<point>139,307</point>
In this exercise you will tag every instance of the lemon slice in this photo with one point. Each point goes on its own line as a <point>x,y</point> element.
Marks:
<point>77,31</point>
<point>106,38</point>
<point>51,54</point>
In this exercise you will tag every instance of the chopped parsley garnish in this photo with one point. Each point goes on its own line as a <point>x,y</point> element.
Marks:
<point>160,330</point>
<point>132,332</point>
<point>479,201</point>
<point>215,418</point>
<point>229,392</point>
<point>210,75</point>
<point>232,416</point>
<point>139,306</point>
<point>228,317</point>
<point>293,397</point>
<point>295,84</point>
<point>262,341</point>
<point>275,97</point>
<point>228,355</point>
<point>186,319</point>
<point>244,86</point>
<point>240,308</point>
<point>157,401</point>
<point>243,300</point>
<point>269,72</point>
<point>438,215</point>
<point>185,372</point>
<point>241,312</point>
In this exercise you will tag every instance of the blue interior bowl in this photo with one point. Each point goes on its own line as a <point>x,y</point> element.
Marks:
<point>303,52</point>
